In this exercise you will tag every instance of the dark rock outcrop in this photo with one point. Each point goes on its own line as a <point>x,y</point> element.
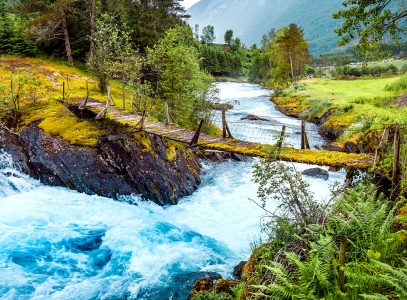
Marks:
<point>254,118</point>
<point>317,173</point>
<point>114,168</point>
<point>238,270</point>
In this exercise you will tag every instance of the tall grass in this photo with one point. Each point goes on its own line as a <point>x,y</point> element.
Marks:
<point>399,85</point>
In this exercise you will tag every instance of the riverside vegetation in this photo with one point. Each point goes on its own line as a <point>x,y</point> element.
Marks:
<point>352,247</point>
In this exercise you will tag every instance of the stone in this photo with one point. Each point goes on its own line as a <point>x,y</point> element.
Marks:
<point>317,173</point>
<point>238,270</point>
<point>254,118</point>
<point>204,284</point>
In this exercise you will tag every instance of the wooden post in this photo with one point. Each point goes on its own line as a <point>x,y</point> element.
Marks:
<point>85,102</point>
<point>281,139</point>
<point>124,97</point>
<point>306,138</point>
<point>349,178</point>
<point>195,139</point>
<point>343,247</point>
<point>396,159</point>
<point>224,129</point>
<point>67,81</point>
<point>383,140</point>
<point>228,131</point>
<point>142,119</point>
<point>302,134</point>
<point>63,91</point>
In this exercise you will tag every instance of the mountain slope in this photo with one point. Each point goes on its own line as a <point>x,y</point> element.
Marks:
<point>250,19</point>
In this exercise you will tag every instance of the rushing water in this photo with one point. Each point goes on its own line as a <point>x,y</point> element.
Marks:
<point>59,244</point>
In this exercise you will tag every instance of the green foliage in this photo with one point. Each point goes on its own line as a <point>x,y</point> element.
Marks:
<point>220,62</point>
<point>279,181</point>
<point>282,58</point>
<point>376,71</point>
<point>372,22</point>
<point>11,38</point>
<point>112,55</point>
<point>145,21</point>
<point>228,37</point>
<point>374,266</point>
<point>208,35</point>
<point>399,85</point>
<point>318,108</point>
<point>181,83</point>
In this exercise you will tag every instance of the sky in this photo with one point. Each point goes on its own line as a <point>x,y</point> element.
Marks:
<point>188,3</point>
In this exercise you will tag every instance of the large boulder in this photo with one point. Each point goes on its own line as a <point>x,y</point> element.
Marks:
<point>113,168</point>
<point>317,173</point>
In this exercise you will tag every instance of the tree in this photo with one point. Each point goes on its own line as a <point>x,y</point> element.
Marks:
<point>196,32</point>
<point>112,55</point>
<point>294,48</point>
<point>208,34</point>
<point>228,37</point>
<point>373,23</point>
<point>148,20</point>
<point>49,20</point>
<point>92,17</point>
<point>6,28</point>
<point>183,88</point>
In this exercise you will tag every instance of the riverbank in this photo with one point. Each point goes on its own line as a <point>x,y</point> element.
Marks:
<point>347,110</point>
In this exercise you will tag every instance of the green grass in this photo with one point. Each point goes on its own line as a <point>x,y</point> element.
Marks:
<point>399,85</point>
<point>344,91</point>
<point>357,100</point>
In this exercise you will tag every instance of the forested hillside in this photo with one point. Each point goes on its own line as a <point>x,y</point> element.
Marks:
<point>251,19</point>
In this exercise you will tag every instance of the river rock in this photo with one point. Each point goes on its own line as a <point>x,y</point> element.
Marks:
<point>317,173</point>
<point>114,168</point>
<point>254,118</point>
<point>238,270</point>
<point>204,284</point>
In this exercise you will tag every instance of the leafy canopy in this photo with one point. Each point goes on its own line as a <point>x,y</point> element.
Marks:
<point>373,23</point>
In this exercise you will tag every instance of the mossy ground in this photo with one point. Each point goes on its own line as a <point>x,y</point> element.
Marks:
<point>41,95</point>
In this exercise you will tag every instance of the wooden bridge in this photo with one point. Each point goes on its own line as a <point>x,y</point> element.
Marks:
<point>172,132</point>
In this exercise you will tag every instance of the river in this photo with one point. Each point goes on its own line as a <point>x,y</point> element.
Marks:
<point>59,244</point>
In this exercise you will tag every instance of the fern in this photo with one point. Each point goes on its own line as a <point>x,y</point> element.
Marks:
<point>374,267</point>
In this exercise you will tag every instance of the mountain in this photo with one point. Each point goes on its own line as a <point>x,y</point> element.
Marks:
<point>251,19</point>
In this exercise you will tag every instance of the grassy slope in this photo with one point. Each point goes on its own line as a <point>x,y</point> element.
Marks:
<point>356,101</point>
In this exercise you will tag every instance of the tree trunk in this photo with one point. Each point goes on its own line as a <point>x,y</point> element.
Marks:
<point>66,38</point>
<point>92,14</point>
<point>167,113</point>
<point>291,65</point>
